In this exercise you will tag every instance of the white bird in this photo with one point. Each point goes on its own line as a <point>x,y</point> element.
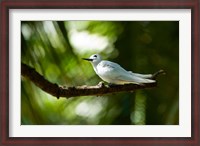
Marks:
<point>113,73</point>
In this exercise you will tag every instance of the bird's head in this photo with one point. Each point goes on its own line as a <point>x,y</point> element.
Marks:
<point>94,59</point>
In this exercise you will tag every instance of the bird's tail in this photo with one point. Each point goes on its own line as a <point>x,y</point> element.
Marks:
<point>142,78</point>
<point>146,76</point>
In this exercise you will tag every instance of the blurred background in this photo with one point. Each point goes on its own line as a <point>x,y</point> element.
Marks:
<point>55,49</point>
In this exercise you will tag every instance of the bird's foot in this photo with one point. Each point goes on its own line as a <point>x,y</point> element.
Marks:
<point>101,84</point>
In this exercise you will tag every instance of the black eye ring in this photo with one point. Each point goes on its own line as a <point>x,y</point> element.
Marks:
<point>95,55</point>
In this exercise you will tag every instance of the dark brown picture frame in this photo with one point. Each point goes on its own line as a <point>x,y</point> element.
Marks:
<point>6,5</point>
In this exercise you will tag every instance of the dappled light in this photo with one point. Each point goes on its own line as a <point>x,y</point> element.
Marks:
<point>56,48</point>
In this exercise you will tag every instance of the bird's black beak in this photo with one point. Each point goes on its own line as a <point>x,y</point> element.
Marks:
<point>87,59</point>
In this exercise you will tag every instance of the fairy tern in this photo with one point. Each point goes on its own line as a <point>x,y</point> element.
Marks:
<point>113,73</point>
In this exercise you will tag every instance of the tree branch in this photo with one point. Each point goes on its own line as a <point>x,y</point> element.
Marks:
<point>84,90</point>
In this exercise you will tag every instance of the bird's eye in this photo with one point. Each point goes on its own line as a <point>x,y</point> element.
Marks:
<point>95,55</point>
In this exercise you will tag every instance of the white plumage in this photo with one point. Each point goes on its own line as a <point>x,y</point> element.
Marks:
<point>113,73</point>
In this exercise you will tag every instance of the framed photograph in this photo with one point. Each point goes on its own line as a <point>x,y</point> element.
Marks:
<point>100,72</point>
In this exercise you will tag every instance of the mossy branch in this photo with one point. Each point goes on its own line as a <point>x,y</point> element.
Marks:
<point>100,89</point>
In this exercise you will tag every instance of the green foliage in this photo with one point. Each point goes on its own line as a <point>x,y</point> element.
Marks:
<point>55,50</point>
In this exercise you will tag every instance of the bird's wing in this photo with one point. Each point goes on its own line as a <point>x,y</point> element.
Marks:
<point>110,64</point>
<point>134,79</point>
<point>116,72</point>
<point>112,67</point>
